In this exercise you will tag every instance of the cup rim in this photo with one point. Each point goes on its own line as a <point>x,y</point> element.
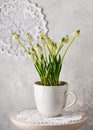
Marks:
<point>61,83</point>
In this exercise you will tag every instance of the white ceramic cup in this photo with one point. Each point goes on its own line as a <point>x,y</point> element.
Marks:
<point>51,100</point>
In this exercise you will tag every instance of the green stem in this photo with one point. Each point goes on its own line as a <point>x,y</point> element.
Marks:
<point>49,49</point>
<point>22,45</point>
<point>45,51</point>
<point>67,48</point>
<point>60,47</point>
<point>30,44</point>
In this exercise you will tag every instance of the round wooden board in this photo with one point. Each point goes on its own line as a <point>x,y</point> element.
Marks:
<point>27,126</point>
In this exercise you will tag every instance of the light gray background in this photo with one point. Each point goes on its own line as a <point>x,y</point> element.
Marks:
<point>17,77</point>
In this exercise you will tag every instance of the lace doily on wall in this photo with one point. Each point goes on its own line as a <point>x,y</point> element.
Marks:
<point>20,16</point>
<point>33,117</point>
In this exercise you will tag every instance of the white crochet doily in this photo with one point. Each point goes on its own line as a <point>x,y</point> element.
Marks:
<point>22,17</point>
<point>33,117</point>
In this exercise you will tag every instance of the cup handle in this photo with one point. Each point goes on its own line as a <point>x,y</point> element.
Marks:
<point>74,99</point>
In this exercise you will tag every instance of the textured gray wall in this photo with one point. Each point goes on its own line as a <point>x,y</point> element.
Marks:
<point>17,77</point>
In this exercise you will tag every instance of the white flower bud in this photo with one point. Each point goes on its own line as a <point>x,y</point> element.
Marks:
<point>39,48</point>
<point>15,36</point>
<point>49,42</point>
<point>29,37</point>
<point>42,35</point>
<point>33,51</point>
<point>76,34</point>
<point>65,39</point>
<point>32,56</point>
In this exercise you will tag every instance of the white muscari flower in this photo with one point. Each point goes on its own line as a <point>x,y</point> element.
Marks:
<point>50,45</point>
<point>33,51</point>
<point>49,41</point>
<point>39,48</point>
<point>65,39</point>
<point>76,34</point>
<point>29,37</point>
<point>32,56</point>
<point>15,36</point>
<point>42,35</point>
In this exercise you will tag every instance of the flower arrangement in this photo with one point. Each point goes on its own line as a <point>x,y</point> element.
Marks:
<point>46,57</point>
